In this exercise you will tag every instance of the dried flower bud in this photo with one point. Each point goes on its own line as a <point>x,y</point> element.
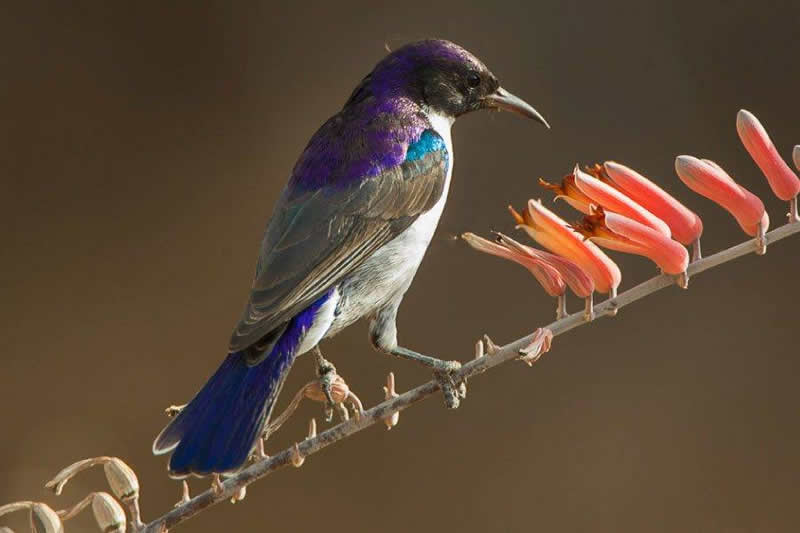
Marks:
<point>295,457</point>
<point>547,276</point>
<point>539,345</point>
<point>549,230</point>
<point>710,180</point>
<point>389,393</point>
<point>685,225</point>
<point>45,520</point>
<point>239,495</point>
<point>612,199</point>
<point>108,513</point>
<point>601,172</point>
<point>782,180</point>
<point>569,192</point>
<point>339,391</point>
<point>796,156</point>
<point>122,479</point>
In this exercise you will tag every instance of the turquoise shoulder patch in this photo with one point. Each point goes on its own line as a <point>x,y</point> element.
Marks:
<point>428,142</point>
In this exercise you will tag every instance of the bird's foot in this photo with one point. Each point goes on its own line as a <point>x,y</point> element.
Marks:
<point>326,372</point>
<point>453,390</point>
<point>330,389</point>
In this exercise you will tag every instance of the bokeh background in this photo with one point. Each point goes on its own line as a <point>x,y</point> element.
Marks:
<point>142,145</point>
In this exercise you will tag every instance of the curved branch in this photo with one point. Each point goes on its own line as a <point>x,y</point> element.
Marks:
<point>502,354</point>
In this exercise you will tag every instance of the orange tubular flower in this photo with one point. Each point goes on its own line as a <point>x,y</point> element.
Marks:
<point>685,225</point>
<point>611,199</point>
<point>576,278</point>
<point>783,181</point>
<point>546,228</point>
<point>570,193</point>
<point>708,179</point>
<point>547,276</point>
<point>624,234</point>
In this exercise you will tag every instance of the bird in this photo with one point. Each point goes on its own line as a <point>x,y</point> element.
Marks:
<point>344,242</point>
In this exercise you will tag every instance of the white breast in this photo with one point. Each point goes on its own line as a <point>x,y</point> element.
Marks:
<point>421,231</point>
<point>387,274</point>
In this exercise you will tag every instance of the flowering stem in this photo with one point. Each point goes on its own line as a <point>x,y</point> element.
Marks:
<point>561,307</point>
<point>476,366</point>
<point>67,514</point>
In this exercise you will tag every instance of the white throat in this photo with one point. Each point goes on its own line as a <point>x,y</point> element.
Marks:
<point>441,124</point>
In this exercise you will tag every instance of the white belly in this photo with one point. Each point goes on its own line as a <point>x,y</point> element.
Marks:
<point>386,275</point>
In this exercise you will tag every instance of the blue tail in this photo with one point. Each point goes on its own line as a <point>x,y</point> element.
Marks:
<point>217,430</point>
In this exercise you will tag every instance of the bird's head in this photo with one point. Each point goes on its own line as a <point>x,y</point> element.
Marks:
<point>442,77</point>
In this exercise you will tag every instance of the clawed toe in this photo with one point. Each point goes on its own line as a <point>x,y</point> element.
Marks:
<point>453,391</point>
<point>447,366</point>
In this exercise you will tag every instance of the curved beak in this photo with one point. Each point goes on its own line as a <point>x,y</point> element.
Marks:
<point>504,100</point>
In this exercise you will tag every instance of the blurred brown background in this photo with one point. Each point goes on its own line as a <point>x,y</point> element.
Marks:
<point>143,144</point>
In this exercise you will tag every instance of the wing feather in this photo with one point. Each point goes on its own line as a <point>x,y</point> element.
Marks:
<point>317,238</point>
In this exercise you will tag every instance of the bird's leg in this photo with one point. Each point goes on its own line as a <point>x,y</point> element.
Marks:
<point>383,334</point>
<point>443,372</point>
<point>326,373</point>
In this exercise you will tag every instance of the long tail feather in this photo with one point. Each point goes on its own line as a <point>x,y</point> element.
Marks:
<point>217,430</point>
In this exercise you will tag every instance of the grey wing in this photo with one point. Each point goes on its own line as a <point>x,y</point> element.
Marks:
<point>316,239</point>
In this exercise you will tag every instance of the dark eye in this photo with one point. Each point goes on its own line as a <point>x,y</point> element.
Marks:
<point>473,79</point>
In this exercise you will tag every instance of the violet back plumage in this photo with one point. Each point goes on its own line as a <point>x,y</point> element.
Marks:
<point>383,113</point>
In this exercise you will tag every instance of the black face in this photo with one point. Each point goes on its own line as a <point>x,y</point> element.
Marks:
<point>456,88</point>
<point>442,77</point>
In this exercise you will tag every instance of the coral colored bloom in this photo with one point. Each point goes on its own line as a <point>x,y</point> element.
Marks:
<point>611,199</point>
<point>627,235</point>
<point>752,229</point>
<point>547,276</point>
<point>569,192</point>
<point>708,179</point>
<point>576,278</point>
<point>546,228</point>
<point>685,225</point>
<point>783,181</point>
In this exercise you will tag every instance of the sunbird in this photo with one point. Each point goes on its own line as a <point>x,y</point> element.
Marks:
<point>344,241</point>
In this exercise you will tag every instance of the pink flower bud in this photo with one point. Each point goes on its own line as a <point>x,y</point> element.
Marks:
<point>708,179</point>
<point>627,235</point>
<point>685,225</point>
<point>547,276</point>
<point>783,181</point>
<point>549,230</point>
<point>611,199</point>
<point>578,280</point>
<point>753,228</point>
